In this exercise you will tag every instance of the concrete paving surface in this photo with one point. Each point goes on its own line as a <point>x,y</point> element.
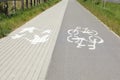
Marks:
<point>65,42</point>
<point>26,52</point>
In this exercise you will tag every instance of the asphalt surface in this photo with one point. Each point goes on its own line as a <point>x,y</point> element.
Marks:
<point>84,63</point>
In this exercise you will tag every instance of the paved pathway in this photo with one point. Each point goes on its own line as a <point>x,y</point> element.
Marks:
<point>85,49</point>
<point>26,52</point>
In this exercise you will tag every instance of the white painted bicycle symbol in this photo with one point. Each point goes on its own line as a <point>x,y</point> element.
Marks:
<point>84,37</point>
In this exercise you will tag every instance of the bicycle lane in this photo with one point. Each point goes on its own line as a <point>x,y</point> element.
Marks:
<point>85,49</point>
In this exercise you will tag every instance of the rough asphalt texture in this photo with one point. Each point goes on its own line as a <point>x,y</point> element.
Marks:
<point>71,63</point>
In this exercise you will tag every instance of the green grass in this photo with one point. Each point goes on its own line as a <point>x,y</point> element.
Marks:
<point>8,24</point>
<point>110,14</point>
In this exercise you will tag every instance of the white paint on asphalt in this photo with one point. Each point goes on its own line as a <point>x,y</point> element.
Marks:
<point>84,37</point>
<point>36,37</point>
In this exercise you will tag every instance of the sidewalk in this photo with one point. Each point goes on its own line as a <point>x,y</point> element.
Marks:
<point>26,52</point>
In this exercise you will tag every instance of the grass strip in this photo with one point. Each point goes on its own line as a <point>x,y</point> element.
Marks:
<point>110,14</point>
<point>8,24</point>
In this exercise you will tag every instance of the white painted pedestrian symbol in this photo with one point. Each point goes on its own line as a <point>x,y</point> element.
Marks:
<point>84,37</point>
<point>37,38</point>
<point>46,31</point>
<point>30,30</point>
<point>16,36</point>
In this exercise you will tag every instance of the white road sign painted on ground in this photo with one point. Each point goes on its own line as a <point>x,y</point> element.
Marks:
<point>37,38</point>
<point>84,37</point>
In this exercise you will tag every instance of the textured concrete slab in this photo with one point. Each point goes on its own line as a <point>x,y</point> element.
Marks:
<point>73,57</point>
<point>26,52</point>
